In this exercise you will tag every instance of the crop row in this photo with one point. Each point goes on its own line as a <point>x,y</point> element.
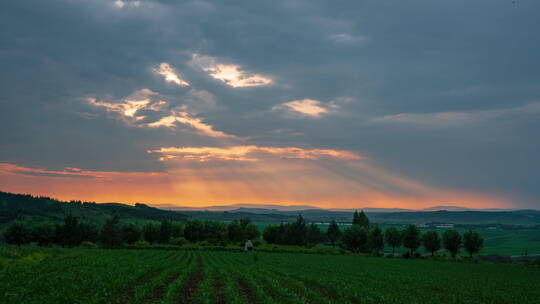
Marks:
<point>154,276</point>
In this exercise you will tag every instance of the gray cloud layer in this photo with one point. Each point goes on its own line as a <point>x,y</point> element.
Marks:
<point>442,91</point>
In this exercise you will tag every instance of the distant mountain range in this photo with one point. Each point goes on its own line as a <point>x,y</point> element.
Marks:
<point>261,207</point>
<point>37,209</point>
<point>269,208</point>
<point>269,213</point>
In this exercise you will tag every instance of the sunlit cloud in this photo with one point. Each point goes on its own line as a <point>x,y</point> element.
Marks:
<point>250,153</point>
<point>130,105</point>
<point>186,119</point>
<point>306,107</point>
<point>170,75</point>
<point>122,4</point>
<point>128,111</point>
<point>12,169</point>
<point>310,107</point>
<point>230,74</point>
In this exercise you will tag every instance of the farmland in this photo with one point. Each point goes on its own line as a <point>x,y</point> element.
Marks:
<point>54,275</point>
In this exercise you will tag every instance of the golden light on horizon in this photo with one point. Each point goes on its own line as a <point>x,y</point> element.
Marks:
<point>269,182</point>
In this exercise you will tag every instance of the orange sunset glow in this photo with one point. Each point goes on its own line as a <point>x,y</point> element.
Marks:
<point>277,181</point>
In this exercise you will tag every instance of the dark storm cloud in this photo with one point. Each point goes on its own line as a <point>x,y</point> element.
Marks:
<point>423,79</point>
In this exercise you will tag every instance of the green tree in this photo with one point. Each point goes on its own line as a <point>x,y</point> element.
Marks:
<point>215,232</point>
<point>251,232</point>
<point>88,232</point>
<point>43,234</point>
<point>165,231</point>
<point>314,235</point>
<point>235,232</point>
<point>473,242</point>
<point>333,234</point>
<point>150,232</point>
<point>244,222</point>
<point>69,233</point>
<point>452,241</point>
<point>431,241</point>
<point>130,233</point>
<point>177,230</point>
<point>375,239</point>
<point>271,234</point>
<point>110,232</point>
<point>360,219</point>
<point>240,231</point>
<point>194,230</point>
<point>393,238</point>
<point>411,238</point>
<point>17,233</point>
<point>298,231</point>
<point>355,238</point>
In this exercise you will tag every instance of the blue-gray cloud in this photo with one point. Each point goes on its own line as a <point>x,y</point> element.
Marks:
<point>444,92</point>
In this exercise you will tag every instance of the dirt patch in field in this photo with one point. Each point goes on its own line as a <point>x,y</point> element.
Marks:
<point>192,284</point>
<point>160,290</point>
<point>219,292</point>
<point>128,293</point>
<point>248,292</point>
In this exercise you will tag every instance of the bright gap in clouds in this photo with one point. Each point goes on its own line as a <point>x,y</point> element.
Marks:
<point>170,75</point>
<point>186,119</point>
<point>230,74</point>
<point>305,107</point>
<point>130,105</point>
<point>128,108</point>
<point>122,4</point>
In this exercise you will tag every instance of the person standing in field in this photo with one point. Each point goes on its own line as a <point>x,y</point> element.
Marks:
<point>248,246</point>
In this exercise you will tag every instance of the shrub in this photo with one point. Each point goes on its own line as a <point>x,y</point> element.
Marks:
<point>179,241</point>
<point>142,244</point>
<point>87,245</point>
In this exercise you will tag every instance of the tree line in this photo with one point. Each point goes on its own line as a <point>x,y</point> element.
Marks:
<point>73,232</point>
<point>362,237</point>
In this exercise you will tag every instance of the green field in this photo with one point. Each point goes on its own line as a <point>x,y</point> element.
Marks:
<point>36,275</point>
<point>502,242</point>
<point>508,242</point>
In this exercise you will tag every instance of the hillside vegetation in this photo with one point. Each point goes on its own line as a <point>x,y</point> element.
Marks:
<point>40,208</point>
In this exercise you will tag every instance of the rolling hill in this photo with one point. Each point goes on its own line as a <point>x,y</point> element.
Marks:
<point>38,208</point>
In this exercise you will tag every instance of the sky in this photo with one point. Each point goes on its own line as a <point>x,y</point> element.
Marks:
<point>336,104</point>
